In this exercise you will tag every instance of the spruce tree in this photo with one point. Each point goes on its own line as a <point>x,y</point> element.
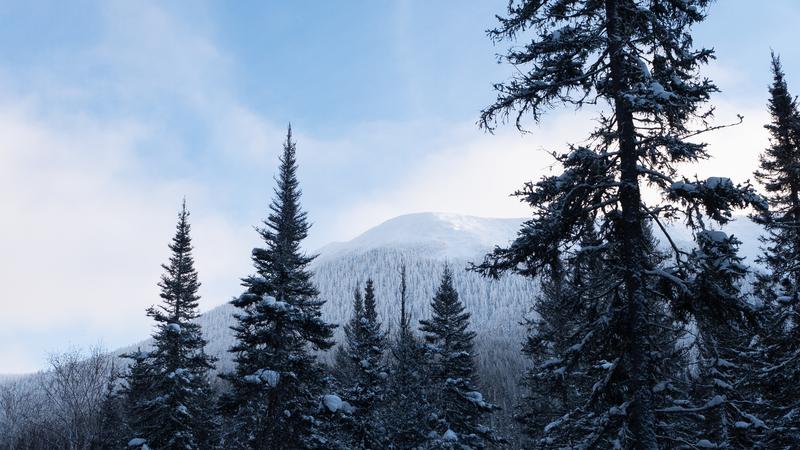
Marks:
<point>404,331</point>
<point>112,429</point>
<point>177,400</point>
<point>574,345</point>
<point>779,173</point>
<point>344,366</point>
<point>635,60</point>
<point>723,406</point>
<point>778,287</point>
<point>342,427</point>
<point>364,352</point>
<point>277,380</point>
<point>458,405</point>
<point>548,393</point>
<point>137,395</point>
<point>407,403</point>
<point>568,309</point>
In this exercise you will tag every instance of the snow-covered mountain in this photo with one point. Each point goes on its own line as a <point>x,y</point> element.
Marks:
<point>438,235</point>
<point>424,242</point>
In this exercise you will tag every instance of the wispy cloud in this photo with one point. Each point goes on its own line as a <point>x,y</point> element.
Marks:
<point>87,212</point>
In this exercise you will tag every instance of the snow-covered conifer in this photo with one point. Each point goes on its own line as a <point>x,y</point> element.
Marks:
<point>575,348</point>
<point>457,404</point>
<point>779,173</point>
<point>177,400</point>
<point>407,402</point>
<point>365,370</point>
<point>778,288</point>
<point>568,343</point>
<point>112,428</point>
<point>277,382</point>
<point>137,394</point>
<point>636,61</point>
<point>719,405</point>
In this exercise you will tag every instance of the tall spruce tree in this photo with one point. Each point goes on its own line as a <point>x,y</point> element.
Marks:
<point>407,403</point>
<point>364,352</point>
<point>177,403</point>
<point>779,173</point>
<point>778,288</point>
<point>458,405</point>
<point>635,60</point>
<point>277,380</point>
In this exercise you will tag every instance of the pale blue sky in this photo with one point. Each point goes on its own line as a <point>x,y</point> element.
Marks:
<point>111,111</point>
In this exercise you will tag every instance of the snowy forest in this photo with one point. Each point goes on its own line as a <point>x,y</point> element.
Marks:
<point>630,338</point>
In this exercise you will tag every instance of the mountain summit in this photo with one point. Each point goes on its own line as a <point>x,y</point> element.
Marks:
<point>440,235</point>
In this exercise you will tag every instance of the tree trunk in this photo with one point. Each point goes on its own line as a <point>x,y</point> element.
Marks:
<point>795,230</point>
<point>632,249</point>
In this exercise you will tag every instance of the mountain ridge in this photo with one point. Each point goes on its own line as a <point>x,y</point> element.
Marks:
<point>444,234</point>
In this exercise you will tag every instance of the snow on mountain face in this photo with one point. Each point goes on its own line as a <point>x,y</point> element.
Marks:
<point>440,235</point>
